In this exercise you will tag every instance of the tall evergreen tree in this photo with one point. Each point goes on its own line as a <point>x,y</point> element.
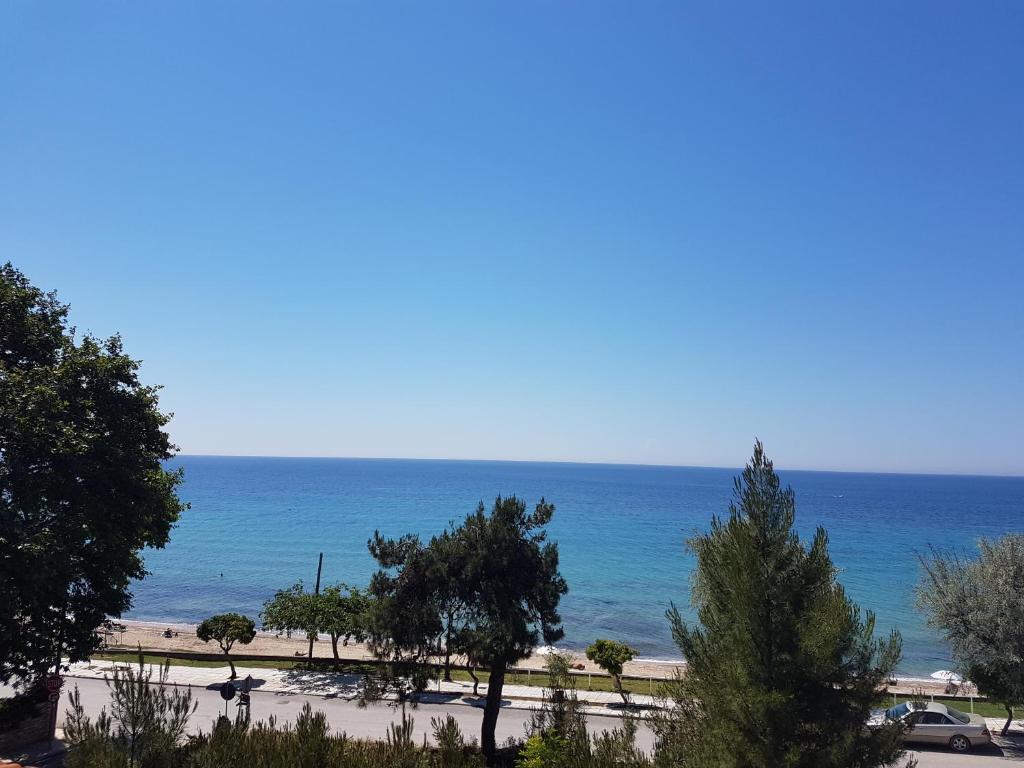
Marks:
<point>782,670</point>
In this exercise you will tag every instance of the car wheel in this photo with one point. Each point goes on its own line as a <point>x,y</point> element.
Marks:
<point>959,743</point>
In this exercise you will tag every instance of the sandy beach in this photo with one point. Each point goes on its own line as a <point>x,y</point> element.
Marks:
<point>150,637</point>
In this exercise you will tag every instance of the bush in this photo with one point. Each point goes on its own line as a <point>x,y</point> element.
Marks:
<point>144,728</point>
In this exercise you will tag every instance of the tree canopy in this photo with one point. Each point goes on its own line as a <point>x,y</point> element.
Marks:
<point>782,670</point>
<point>339,612</point>
<point>499,572</point>
<point>227,629</point>
<point>611,656</point>
<point>978,605</point>
<point>83,484</point>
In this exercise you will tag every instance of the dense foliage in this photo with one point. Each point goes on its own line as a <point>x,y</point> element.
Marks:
<point>227,629</point>
<point>339,611</point>
<point>83,488</point>
<point>979,607</point>
<point>145,728</point>
<point>559,737</point>
<point>496,575</point>
<point>145,725</point>
<point>782,669</point>
<point>611,656</point>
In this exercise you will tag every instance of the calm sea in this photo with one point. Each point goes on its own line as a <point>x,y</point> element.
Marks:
<point>257,524</point>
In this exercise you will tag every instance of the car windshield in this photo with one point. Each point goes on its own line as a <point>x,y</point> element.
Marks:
<point>956,714</point>
<point>895,713</point>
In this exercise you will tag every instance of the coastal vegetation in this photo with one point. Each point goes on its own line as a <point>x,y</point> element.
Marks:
<point>978,605</point>
<point>611,656</point>
<point>782,669</point>
<point>144,727</point>
<point>496,572</point>
<point>558,734</point>
<point>339,611</point>
<point>83,484</point>
<point>227,629</point>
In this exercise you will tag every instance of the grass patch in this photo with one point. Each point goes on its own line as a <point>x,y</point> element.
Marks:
<point>584,682</point>
<point>982,707</point>
<point>150,658</point>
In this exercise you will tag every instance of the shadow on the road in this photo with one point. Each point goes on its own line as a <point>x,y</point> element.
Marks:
<point>255,683</point>
<point>635,709</point>
<point>435,697</point>
<point>335,684</point>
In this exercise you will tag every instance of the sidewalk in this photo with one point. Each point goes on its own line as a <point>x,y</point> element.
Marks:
<point>348,687</point>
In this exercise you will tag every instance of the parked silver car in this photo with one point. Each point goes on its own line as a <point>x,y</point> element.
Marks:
<point>934,723</point>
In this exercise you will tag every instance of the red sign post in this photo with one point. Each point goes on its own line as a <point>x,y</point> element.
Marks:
<point>54,683</point>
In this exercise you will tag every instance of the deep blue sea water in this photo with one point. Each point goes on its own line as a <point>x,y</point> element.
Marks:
<point>258,524</point>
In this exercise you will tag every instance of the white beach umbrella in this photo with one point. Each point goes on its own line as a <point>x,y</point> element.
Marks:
<point>948,676</point>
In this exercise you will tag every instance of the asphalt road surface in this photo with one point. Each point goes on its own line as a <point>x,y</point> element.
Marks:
<point>372,722</point>
<point>1002,753</point>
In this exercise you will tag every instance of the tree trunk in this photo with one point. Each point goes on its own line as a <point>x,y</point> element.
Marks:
<point>227,655</point>
<point>492,708</point>
<point>334,646</point>
<point>448,653</point>
<point>476,680</point>
<point>620,689</point>
<point>1009,718</point>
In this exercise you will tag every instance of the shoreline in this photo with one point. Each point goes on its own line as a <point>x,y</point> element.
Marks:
<point>149,635</point>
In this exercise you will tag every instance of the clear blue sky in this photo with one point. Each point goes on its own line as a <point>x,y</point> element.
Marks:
<point>629,232</point>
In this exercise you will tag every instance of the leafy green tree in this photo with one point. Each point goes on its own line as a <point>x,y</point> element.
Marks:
<point>979,607</point>
<point>339,612</point>
<point>342,614</point>
<point>291,610</point>
<point>227,629</point>
<point>611,656</point>
<point>83,484</point>
<point>782,670</point>
<point>508,587</point>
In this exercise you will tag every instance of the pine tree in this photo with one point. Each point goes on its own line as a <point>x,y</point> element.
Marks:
<point>782,670</point>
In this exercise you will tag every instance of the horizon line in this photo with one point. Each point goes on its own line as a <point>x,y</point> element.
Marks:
<point>593,463</point>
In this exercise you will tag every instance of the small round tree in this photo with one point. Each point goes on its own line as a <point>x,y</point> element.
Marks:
<point>611,656</point>
<point>227,629</point>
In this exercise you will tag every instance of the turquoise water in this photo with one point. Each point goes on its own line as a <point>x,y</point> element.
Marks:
<point>257,524</point>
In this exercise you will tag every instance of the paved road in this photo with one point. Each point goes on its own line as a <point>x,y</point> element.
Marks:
<point>1001,754</point>
<point>372,722</point>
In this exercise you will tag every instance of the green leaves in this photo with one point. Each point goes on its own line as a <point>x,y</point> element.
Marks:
<point>611,656</point>
<point>979,607</point>
<point>227,629</point>
<point>494,576</point>
<point>339,611</point>
<point>782,670</point>
<point>83,487</point>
